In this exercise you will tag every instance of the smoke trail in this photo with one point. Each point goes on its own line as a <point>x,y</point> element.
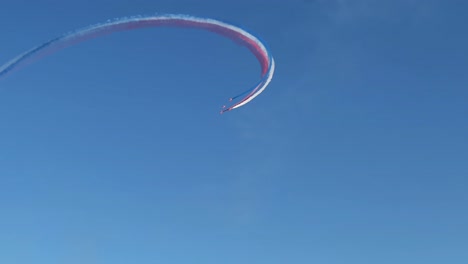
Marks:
<point>237,34</point>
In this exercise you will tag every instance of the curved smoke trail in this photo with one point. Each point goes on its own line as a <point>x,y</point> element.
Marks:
<point>235,33</point>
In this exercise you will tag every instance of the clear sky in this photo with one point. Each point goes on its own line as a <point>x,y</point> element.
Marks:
<point>113,150</point>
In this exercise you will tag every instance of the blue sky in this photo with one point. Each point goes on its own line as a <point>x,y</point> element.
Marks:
<point>113,150</point>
